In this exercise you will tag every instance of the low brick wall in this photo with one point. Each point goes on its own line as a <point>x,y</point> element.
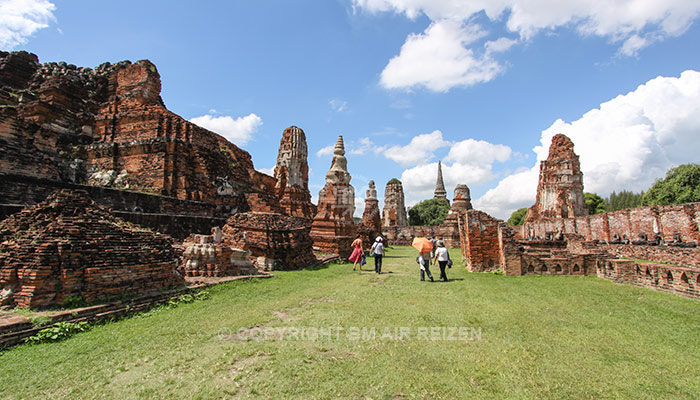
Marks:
<point>667,221</point>
<point>682,281</point>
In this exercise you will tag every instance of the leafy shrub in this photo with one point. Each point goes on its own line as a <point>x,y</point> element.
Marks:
<point>518,217</point>
<point>429,212</point>
<point>59,331</point>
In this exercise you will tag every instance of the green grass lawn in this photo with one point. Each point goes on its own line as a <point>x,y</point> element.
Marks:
<point>540,337</point>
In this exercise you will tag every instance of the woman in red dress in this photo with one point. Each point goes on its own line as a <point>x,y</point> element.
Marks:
<point>356,255</point>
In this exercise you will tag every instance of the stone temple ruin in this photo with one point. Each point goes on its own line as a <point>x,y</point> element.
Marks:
<point>559,238</point>
<point>333,228</point>
<point>67,246</point>
<point>104,192</point>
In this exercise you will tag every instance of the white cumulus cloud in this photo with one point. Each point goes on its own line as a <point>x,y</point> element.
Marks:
<point>325,151</point>
<point>625,144</point>
<point>439,59</point>
<point>238,131</point>
<point>19,19</point>
<point>419,150</point>
<point>449,52</point>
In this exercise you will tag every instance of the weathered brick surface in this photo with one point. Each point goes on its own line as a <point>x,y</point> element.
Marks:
<point>371,225</point>
<point>560,187</point>
<point>333,228</point>
<point>206,255</point>
<point>480,249</point>
<point>461,202</point>
<point>69,246</point>
<point>275,241</point>
<point>109,127</point>
<point>684,281</point>
<point>394,212</point>
<point>292,174</point>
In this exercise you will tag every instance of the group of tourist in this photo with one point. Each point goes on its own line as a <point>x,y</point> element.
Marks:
<point>358,255</point>
<point>438,254</point>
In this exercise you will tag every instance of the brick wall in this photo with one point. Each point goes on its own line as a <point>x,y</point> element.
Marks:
<point>683,219</point>
<point>684,281</point>
<point>480,250</point>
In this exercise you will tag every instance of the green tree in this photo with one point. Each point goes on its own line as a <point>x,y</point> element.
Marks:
<point>681,185</point>
<point>429,212</point>
<point>518,217</point>
<point>595,203</point>
<point>624,199</point>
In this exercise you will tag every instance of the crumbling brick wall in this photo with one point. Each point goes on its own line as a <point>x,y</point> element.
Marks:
<point>68,246</point>
<point>480,250</point>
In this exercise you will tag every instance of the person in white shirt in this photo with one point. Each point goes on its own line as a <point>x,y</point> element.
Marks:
<point>442,256</point>
<point>378,250</point>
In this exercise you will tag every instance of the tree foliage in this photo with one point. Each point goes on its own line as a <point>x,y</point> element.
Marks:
<point>595,203</point>
<point>518,217</point>
<point>624,199</point>
<point>429,212</point>
<point>681,185</point>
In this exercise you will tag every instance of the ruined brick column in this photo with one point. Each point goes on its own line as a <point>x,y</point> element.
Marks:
<point>560,187</point>
<point>371,220</point>
<point>333,228</point>
<point>461,203</point>
<point>394,213</point>
<point>292,174</point>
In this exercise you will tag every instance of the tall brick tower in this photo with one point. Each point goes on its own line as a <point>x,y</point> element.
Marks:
<point>440,192</point>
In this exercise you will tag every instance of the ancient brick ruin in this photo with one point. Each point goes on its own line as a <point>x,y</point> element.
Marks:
<point>461,203</point>
<point>654,247</point>
<point>333,228</point>
<point>394,212</point>
<point>62,126</point>
<point>440,192</point>
<point>560,187</point>
<point>275,241</point>
<point>371,225</point>
<point>209,256</point>
<point>69,247</point>
<point>292,174</point>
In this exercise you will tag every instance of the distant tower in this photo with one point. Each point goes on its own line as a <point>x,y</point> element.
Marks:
<point>440,192</point>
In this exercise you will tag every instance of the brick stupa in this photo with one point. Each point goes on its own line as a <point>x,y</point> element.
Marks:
<point>292,174</point>
<point>440,191</point>
<point>461,203</point>
<point>560,187</point>
<point>69,246</point>
<point>333,228</point>
<point>371,219</point>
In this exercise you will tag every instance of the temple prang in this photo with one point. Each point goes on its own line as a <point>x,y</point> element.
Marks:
<point>333,228</point>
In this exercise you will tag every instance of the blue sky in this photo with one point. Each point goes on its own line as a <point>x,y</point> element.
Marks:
<point>481,85</point>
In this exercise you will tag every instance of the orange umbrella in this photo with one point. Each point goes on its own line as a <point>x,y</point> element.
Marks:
<point>423,245</point>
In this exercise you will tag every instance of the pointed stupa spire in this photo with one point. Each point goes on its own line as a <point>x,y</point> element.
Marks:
<point>339,166</point>
<point>339,149</point>
<point>440,192</point>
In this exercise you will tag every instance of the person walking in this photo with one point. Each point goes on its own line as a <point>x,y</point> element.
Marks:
<point>442,256</point>
<point>378,251</point>
<point>424,261</point>
<point>356,256</point>
<point>434,242</point>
